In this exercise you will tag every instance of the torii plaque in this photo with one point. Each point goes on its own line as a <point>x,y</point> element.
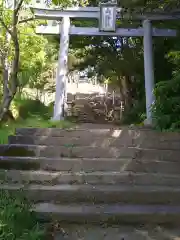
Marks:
<point>107,21</point>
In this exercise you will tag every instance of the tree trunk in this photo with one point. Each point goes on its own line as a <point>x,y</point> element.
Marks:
<point>125,91</point>
<point>6,101</point>
<point>6,74</point>
<point>127,86</point>
<point>121,87</point>
<point>10,78</point>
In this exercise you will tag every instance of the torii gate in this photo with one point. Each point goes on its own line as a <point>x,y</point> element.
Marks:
<point>106,14</point>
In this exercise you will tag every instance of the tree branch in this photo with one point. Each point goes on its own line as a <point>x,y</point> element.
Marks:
<point>17,8</point>
<point>1,53</point>
<point>26,20</point>
<point>5,26</point>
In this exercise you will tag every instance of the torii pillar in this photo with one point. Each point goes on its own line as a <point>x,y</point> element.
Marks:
<point>148,70</point>
<point>62,70</point>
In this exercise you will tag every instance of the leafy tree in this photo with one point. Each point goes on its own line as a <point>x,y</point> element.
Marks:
<point>167,108</point>
<point>26,58</point>
<point>10,52</point>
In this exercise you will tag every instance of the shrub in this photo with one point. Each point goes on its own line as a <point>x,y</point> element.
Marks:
<point>166,110</point>
<point>30,107</point>
<point>136,114</point>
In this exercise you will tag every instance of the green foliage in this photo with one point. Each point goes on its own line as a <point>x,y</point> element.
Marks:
<point>65,3</point>
<point>16,219</point>
<point>51,108</point>
<point>167,105</point>
<point>145,5</point>
<point>30,113</point>
<point>29,107</point>
<point>37,59</point>
<point>135,114</point>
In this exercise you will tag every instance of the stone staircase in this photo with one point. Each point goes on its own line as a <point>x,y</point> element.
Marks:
<point>79,108</point>
<point>87,108</point>
<point>98,174</point>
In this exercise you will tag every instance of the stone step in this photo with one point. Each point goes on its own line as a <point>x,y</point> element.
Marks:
<point>115,232</point>
<point>72,151</point>
<point>74,132</point>
<point>117,213</point>
<point>67,193</point>
<point>102,130</point>
<point>156,166</point>
<point>94,141</point>
<point>82,120</point>
<point>52,178</point>
<point>156,144</point>
<point>158,154</point>
<point>69,133</point>
<point>140,138</point>
<point>90,165</point>
<point>73,141</point>
<point>66,151</point>
<point>63,164</point>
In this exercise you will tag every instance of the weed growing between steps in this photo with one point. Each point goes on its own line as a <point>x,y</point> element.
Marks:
<point>7,129</point>
<point>16,219</point>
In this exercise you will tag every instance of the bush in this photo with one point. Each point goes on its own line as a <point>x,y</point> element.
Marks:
<point>30,107</point>
<point>166,110</point>
<point>136,114</point>
<point>51,108</point>
<point>16,219</point>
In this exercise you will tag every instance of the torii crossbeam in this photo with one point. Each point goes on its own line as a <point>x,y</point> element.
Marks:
<point>92,31</point>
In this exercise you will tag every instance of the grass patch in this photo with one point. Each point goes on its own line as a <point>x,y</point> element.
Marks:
<point>7,129</point>
<point>17,222</point>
